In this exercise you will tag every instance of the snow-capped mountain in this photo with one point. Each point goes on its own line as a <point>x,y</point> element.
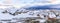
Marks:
<point>25,11</point>
<point>42,12</point>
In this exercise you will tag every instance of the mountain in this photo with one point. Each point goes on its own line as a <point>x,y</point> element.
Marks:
<point>44,7</point>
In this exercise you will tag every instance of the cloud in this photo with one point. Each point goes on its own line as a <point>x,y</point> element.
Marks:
<point>22,3</point>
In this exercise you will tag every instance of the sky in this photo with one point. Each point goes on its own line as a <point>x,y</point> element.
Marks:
<point>22,3</point>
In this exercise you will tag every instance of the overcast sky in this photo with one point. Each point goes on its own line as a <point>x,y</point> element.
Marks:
<point>21,3</point>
